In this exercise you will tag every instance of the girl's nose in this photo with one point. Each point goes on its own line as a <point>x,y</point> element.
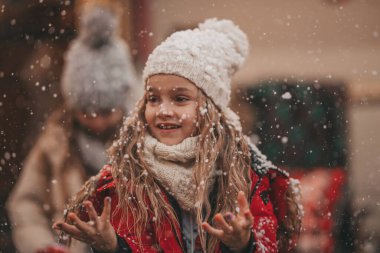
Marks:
<point>165,110</point>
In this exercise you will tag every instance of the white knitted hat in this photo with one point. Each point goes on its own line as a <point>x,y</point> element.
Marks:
<point>98,71</point>
<point>208,56</point>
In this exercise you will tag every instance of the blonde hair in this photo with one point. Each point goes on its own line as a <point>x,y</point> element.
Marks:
<point>221,147</point>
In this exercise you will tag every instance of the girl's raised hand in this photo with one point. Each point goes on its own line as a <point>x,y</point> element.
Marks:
<point>98,232</point>
<point>234,231</point>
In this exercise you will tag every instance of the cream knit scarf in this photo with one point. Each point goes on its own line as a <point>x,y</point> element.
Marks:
<point>173,167</point>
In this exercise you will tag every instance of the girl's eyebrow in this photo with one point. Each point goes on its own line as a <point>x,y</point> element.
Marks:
<point>151,89</point>
<point>181,89</point>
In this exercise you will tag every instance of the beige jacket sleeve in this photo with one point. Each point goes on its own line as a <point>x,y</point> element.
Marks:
<point>29,204</point>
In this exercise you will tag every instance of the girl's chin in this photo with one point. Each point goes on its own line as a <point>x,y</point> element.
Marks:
<point>170,142</point>
<point>169,137</point>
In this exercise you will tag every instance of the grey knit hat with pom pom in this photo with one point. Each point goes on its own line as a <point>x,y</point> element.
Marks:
<point>98,71</point>
<point>208,56</point>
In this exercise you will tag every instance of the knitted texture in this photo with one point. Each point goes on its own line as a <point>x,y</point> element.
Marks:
<point>173,167</point>
<point>208,56</point>
<point>98,70</point>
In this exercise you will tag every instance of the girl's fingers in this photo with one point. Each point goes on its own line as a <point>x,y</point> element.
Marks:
<point>222,223</point>
<point>248,220</point>
<point>211,230</point>
<point>242,202</point>
<point>91,211</point>
<point>67,228</point>
<point>73,231</point>
<point>245,216</point>
<point>57,225</point>
<point>107,209</point>
<point>82,239</point>
<point>81,225</point>
<point>234,222</point>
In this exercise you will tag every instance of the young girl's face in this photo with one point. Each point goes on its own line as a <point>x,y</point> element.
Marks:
<point>171,108</point>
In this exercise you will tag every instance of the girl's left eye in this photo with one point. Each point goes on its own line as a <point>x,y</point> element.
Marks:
<point>181,99</point>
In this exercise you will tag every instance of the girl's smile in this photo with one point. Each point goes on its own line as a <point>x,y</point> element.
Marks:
<point>171,108</point>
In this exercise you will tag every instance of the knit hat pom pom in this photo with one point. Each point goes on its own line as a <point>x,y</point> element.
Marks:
<point>98,26</point>
<point>232,31</point>
<point>98,70</point>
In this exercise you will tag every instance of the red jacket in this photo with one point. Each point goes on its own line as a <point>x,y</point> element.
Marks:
<point>170,238</point>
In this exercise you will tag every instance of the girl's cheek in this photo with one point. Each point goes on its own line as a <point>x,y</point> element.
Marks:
<point>184,117</point>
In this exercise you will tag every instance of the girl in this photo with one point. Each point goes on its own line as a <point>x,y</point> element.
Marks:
<point>181,171</point>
